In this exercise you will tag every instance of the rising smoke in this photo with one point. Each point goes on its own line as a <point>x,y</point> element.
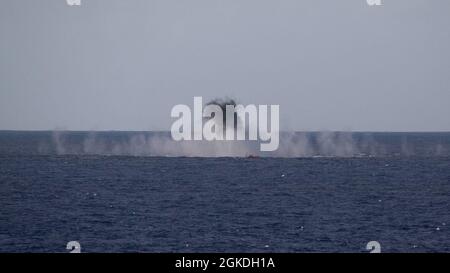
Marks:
<point>222,103</point>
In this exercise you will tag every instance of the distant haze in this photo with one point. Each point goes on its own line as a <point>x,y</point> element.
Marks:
<point>123,64</point>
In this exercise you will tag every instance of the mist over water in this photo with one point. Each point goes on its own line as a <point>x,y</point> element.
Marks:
<point>292,144</point>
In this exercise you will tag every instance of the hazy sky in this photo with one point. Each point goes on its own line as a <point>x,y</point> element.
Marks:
<point>123,64</point>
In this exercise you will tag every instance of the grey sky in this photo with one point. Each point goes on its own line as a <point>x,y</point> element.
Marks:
<point>123,64</point>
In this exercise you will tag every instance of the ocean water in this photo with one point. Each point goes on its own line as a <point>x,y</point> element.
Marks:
<point>134,192</point>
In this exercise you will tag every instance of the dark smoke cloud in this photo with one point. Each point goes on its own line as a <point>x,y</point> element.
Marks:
<point>222,103</point>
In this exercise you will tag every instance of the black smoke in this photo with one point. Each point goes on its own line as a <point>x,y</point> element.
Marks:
<point>222,103</point>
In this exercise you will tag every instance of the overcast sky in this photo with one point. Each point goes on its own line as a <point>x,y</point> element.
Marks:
<point>123,64</point>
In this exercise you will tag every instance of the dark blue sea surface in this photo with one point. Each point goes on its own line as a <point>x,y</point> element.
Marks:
<point>315,203</point>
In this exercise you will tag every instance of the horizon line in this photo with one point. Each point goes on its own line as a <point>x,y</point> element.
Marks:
<point>168,131</point>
